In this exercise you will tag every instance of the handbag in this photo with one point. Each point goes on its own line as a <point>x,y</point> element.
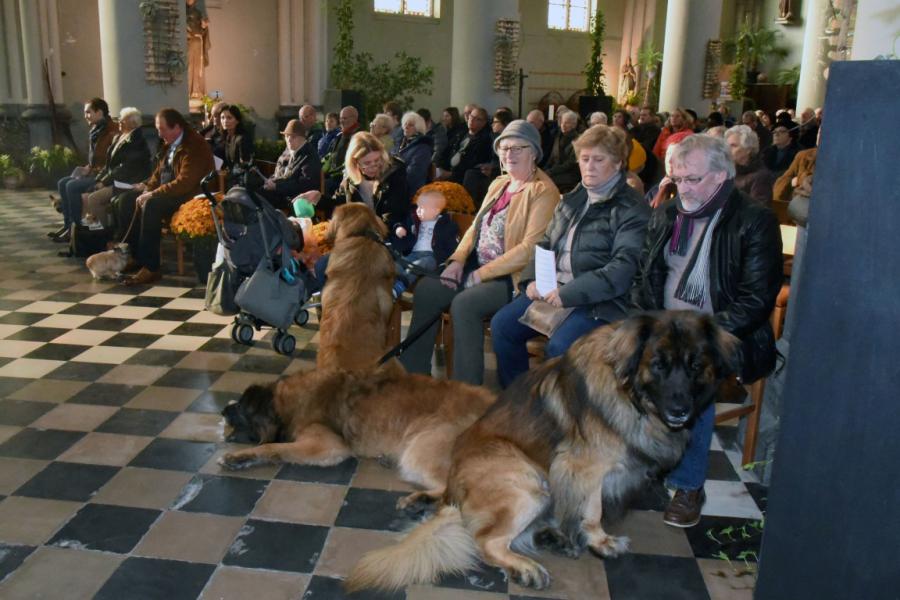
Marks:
<point>544,317</point>
<point>268,297</point>
<point>85,241</point>
<point>221,287</point>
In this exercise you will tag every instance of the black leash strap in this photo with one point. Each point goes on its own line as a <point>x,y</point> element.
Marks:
<point>412,337</point>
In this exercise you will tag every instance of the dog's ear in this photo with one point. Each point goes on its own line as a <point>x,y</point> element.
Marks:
<point>381,228</point>
<point>334,226</point>
<point>625,347</point>
<point>727,353</point>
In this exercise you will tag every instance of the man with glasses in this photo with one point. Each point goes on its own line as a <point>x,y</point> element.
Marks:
<point>778,157</point>
<point>714,250</point>
<point>474,149</point>
<point>333,161</point>
<point>297,170</point>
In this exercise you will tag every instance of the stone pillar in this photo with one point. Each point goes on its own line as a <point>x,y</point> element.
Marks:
<point>317,54</point>
<point>472,52</point>
<point>811,87</point>
<point>12,92</point>
<point>689,26</point>
<point>122,52</point>
<point>876,30</point>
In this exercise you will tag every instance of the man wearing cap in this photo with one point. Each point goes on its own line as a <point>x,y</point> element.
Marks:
<point>298,168</point>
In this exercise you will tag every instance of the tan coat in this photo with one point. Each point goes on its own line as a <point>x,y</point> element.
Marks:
<point>529,214</point>
<point>802,168</point>
<point>103,143</point>
<point>192,161</point>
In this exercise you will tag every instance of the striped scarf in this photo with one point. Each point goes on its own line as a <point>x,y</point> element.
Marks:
<point>694,284</point>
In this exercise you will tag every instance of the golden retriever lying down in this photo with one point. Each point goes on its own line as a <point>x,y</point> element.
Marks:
<point>357,299</point>
<point>325,416</point>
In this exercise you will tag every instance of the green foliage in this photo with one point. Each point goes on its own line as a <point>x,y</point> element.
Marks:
<point>9,168</point>
<point>789,77</point>
<point>53,161</point>
<point>268,150</point>
<point>593,70</point>
<point>342,53</point>
<point>752,47</point>
<point>648,60</point>
<point>398,79</point>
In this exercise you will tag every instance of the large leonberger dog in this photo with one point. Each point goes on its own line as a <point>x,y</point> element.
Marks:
<point>325,416</point>
<point>568,440</point>
<point>357,298</point>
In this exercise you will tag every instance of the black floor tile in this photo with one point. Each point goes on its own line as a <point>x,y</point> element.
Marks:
<point>760,494</point>
<point>41,444</point>
<point>106,394</point>
<point>106,528</point>
<point>36,334</point>
<point>171,314</point>
<point>197,329</point>
<point>80,371</point>
<point>11,557</point>
<point>720,468</point>
<point>372,509</point>
<point>57,351</point>
<point>108,323</point>
<point>187,378</point>
<point>157,358</point>
<point>727,436</point>
<point>67,481</point>
<point>651,577</point>
<point>49,284</point>
<point>4,361</point>
<point>17,318</point>
<point>212,402</point>
<point>195,293</point>
<point>729,535</point>
<point>256,363</point>
<point>148,301</point>
<point>176,455</point>
<point>223,345</point>
<point>132,340</point>
<point>326,588</point>
<point>156,579</point>
<point>277,546</point>
<point>88,310</point>
<point>652,496</point>
<point>231,496</point>
<point>339,474</point>
<point>135,421</point>
<point>16,305</point>
<point>22,412</point>
<point>68,296</point>
<point>517,597</point>
<point>9,385</point>
<point>484,578</point>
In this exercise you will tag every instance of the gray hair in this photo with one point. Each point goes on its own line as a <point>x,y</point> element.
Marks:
<point>715,150</point>
<point>415,118</point>
<point>569,115</point>
<point>131,115</point>
<point>598,118</point>
<point>747,138</point>
<point>384,120</point>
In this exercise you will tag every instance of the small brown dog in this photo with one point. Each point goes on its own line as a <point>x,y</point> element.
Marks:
<point>357,299</point>
<point>108,263</point>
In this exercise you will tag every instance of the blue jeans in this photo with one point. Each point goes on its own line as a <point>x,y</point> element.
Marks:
<point>423,260</point>
<point>510,337</point>
<point>70,190</point>
<point>690,473</point>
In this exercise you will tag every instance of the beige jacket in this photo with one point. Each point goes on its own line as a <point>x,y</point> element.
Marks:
<point>529,214</point>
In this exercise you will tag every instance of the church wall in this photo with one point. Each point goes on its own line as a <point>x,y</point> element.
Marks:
<point>79,38</point>
<point>792,37</point>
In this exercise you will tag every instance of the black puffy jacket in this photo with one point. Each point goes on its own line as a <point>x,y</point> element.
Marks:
<point>391,198</point>
<point>746,274</point>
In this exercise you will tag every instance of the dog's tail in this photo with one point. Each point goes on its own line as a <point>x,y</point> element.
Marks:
<point>438,546</point>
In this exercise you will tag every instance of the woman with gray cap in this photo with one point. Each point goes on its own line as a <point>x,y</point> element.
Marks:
<point>483,272</point>
<point>596,234</point>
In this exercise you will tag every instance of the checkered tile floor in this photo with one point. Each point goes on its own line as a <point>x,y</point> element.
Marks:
<point>109,487</point>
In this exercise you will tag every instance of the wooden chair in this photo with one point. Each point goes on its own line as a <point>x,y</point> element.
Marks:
<point>757,389</point>
<point>179,243</point>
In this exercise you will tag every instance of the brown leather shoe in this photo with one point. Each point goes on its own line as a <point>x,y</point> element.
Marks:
<point>143,277</point>
<point>684,508</point>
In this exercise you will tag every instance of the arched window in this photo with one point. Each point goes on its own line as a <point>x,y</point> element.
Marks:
<point>415,8</point>
<point>570,15</point>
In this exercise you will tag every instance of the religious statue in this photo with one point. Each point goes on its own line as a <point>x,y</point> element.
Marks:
<point>629,81</point>
<point>785,12</point>
<point>198,47</point>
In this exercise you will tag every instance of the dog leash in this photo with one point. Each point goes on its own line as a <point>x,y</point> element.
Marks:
<point>407,265</point>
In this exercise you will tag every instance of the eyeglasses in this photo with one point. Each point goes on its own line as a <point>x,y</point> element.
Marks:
<point>371,164</point>
<point>690,179</point>
<point>512,150</point>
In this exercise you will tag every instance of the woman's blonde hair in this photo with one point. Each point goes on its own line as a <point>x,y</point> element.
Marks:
<point>384,121</point>
<point>363,143</point>
<point>611,140</point>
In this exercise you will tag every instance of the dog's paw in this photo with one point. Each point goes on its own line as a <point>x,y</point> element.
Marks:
<point>611,546</point>
<point>556,541</point>
<point>234,461</point>
<point>534,575</point>
<point>417,504</point>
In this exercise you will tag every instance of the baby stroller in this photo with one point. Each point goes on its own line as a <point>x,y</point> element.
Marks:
<point>272,288</point>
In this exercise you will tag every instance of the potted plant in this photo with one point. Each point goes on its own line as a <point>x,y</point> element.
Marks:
<point>595,98</point>
<point>11,174</point>
<point>47,166</point>
<point>752,48</point>
<point>648,61</point>
<point>193,222</point>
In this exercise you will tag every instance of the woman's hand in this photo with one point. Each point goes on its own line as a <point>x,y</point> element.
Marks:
<point>553,298</point>
<point>312,196</point>
<point>531,291</point>
<point>452,275</point>
<point>473,279</point>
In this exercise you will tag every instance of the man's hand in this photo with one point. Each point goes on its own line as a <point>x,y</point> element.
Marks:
<point>269,185</point>
<point>400,232</point>
<point>140,187</point>
<point>531,291</point>
<point>452,274</point>
<point>82,171</point>
<point>142,200</point>
<point>553,298</point>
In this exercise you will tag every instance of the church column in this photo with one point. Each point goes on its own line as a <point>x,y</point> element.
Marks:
<point>811,87</point>
<point>316,53</point>
<point>14,92</point>
<point>293,54</point>
<point>122,58</point>
<point>875,33</point>
<point>689,26</point>
<point>472,52</point>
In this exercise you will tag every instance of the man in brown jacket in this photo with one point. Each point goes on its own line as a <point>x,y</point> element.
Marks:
<point>797,180</point>
<point>184,159</point>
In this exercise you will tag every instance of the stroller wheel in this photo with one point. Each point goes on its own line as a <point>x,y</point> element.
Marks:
<point>242,333</point>
<point>284,343</point>
<point>302,317</point>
